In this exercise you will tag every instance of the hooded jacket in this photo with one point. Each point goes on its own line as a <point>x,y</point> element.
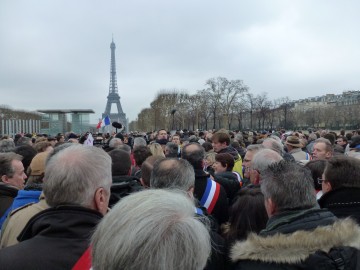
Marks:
<point>331,246</point>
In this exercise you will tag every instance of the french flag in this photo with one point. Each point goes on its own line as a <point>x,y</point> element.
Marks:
<point>105,122</point>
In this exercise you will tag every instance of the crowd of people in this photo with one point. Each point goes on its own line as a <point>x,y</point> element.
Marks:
<point>182,199</point>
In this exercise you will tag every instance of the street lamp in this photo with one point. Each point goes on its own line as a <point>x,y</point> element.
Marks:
<point>2,124</point>
<point>173,111</point>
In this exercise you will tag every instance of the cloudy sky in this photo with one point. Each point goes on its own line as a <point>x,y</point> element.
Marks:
<point>56,54</point>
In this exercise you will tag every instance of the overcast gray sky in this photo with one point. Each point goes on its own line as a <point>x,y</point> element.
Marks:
<point>56,54</point>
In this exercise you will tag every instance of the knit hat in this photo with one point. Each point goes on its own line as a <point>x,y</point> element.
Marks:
<point>37,164</point>
<point>293,141</point>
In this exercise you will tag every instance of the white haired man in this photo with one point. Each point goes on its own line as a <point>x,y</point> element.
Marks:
<point>260,162</point>
<point>77,189</point>
<point>121,242</point>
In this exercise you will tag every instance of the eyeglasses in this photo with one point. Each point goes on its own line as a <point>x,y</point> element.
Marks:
<point>320,180</point>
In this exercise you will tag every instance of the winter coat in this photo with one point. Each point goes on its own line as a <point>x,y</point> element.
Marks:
<point>221,208</point>
<point>18,219</point>
<point>312,239</point>
<point>342,202</point>
<point>7,195</point>
<point>230,183</point>
<point>25,197</point>
<point>122,186</point>
<point>53,239</point>
<point>298,154</point>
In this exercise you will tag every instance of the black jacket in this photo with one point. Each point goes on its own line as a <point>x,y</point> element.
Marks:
<point>53,239</point>
<point>309,239</point>
<point>230,183</point>
<point>122,186</point>
<point>230,150</point>
<point>221,208</point>
<point>343,202</point>
<point>7,196</point>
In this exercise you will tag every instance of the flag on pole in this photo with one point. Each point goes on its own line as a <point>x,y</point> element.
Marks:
<point>104,122</point>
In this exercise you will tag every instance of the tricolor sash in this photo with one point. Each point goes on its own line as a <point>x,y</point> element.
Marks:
<point>238,176</point>
<point>84,262</point>
<point>211,195</point>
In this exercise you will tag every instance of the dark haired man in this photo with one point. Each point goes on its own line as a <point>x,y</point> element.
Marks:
<point>341,187</point>
<point>122,182</point>
<point>210,194</point>
<point>162,138</point>
<point>12,179</point>
<point>221,144</point>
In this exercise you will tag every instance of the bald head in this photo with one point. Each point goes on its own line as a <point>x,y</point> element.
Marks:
<point>195,154</point>
<point>172,173</point>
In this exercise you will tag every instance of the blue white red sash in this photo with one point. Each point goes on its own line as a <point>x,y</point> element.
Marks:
<point>238,176</point>
<point>211,195</point>
<point>84,262</point>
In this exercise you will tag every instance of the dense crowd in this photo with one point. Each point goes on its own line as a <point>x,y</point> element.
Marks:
<point>182,199</point>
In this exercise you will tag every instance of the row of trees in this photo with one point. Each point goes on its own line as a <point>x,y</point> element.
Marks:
<point>230,104</point>
<point>223,103</point>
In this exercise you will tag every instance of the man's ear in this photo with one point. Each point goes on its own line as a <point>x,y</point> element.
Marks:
<point>270,207</point>
<point>5,179</point>
<point>142,182</point>
<point>190,192</point>
<point>328,154</point>
<point>101,200</point>
<point>326,186</point>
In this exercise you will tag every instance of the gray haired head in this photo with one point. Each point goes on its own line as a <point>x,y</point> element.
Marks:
<point>7,145</point>
<point>263,158</point>
<point>274,144</point>
<point>75,173</point>
<point>147,229</point>
<point>173,173</point>
<point>139,141</point>
<point>289,186</point>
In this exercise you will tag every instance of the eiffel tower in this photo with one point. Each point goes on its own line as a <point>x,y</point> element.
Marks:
<point>113,97</point>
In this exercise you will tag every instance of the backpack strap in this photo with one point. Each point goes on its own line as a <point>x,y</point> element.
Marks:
<point>211,195</point>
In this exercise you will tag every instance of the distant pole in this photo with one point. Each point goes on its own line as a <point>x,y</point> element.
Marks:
<point>173,118</point>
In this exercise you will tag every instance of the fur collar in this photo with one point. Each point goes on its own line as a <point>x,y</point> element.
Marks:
<point>297,246</point>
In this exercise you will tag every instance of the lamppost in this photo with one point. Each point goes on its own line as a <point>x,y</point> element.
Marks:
<point>173,111</point>
<point>2,124</point>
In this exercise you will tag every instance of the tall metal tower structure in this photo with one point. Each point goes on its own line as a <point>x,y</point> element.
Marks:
<point>113,97</point>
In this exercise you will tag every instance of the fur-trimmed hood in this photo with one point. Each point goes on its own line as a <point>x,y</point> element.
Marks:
<point>298,246</point>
